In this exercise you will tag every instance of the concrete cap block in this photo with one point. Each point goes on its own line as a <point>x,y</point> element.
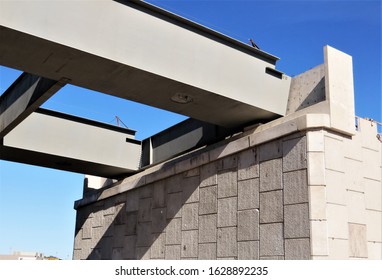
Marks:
<point>162,173</point>
<point>273,130</point>
<point>230,148</point>
<point>334,153</point>
<point>229,162</point>
<point>191,163</point>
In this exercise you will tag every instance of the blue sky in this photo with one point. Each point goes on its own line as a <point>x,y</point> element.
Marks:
<point>36,204</point>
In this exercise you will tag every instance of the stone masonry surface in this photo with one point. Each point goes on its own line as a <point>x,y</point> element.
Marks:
<point>307,195</point>
<point>251,204</point>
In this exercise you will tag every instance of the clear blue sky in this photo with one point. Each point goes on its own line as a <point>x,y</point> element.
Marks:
<point>36,204</point>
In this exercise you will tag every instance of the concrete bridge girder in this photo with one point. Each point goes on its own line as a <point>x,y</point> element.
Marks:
<point>136,51</point>
<point>141,53</point>
<point>51,139</point>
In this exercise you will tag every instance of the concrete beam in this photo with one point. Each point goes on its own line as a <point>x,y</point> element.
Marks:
<point>180,138</point>
<point>135,51</point>
<point>23,97</point>
<point>65,142</point>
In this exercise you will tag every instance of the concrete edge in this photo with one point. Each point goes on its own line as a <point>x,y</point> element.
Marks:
<point>261,134</point>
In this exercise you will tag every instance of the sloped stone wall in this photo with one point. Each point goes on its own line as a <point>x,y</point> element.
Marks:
<point>251,204</point>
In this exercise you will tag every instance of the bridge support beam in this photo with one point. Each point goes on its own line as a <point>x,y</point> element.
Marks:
<point>56,140</point>
<point>23,97</point>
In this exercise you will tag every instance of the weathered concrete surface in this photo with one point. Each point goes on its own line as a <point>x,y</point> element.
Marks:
<point>345,210</point>
<point>307,89</point>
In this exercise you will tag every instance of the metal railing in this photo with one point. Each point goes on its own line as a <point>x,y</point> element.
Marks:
<point>373,122</point>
